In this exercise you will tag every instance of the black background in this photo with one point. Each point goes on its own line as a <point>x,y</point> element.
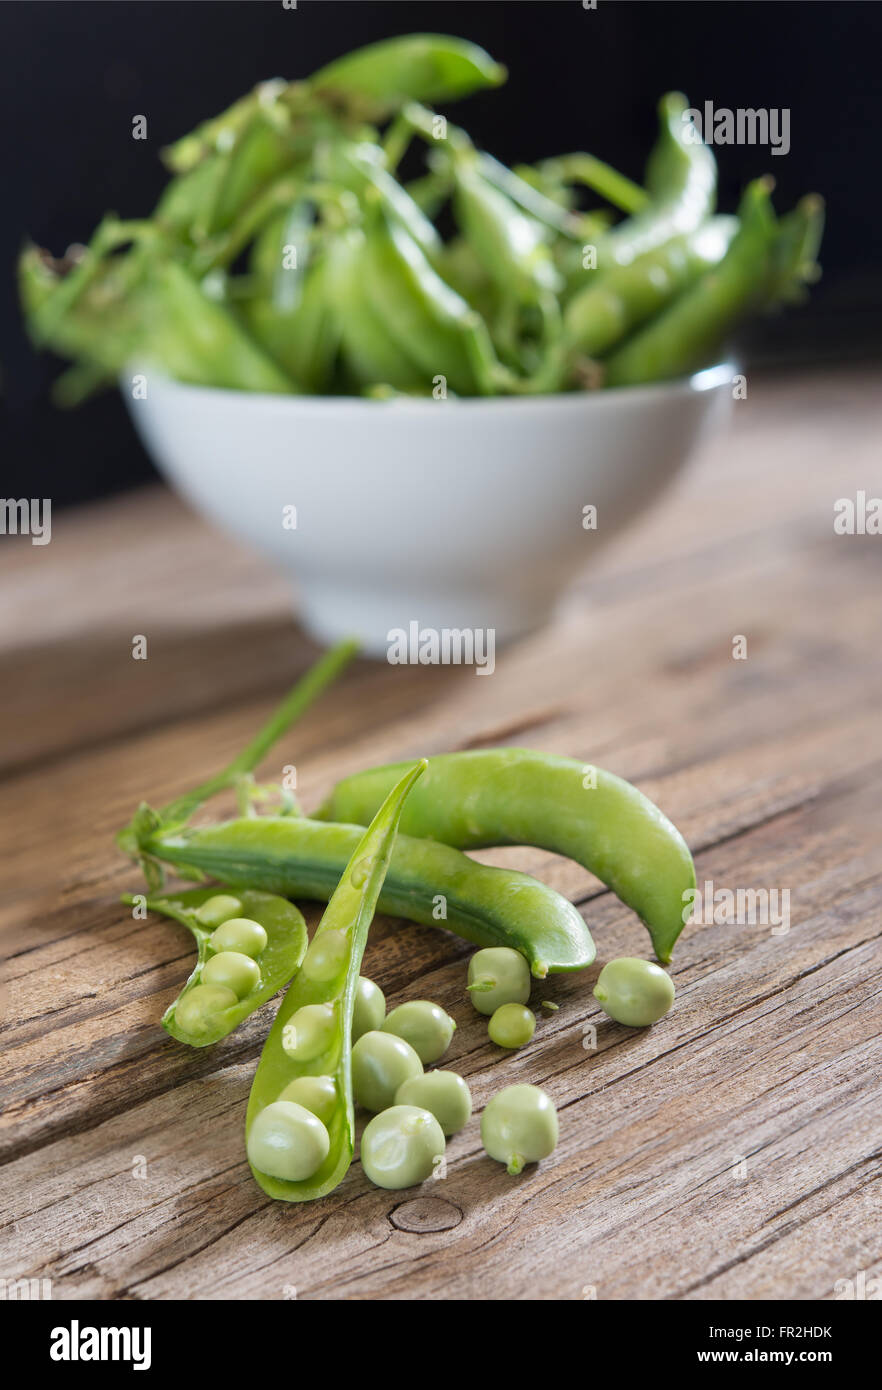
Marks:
<point>76,73</point>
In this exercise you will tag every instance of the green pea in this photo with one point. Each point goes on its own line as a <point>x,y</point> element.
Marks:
<point>197,1009</point>
<point>498,975</point>
<point>218,909</point>
<point>401,1146</point>
<point>232,970</point>
<point>518,1126</point>
<point>380,1063</point>
<point>512,1025</point>
<point>309,1032</point>
<point>633,991</point>
<point>287,1141</point>
<point>315,1093</point>
<point>443,1093</point>
<point>326,957</point>
<point>424,1025</point>
<point>370,1008</point>
<point>238,934</point>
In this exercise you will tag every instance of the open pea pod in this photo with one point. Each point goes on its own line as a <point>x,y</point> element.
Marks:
<point>375,81</point>
<point>201,1014</point>
<point>312,1032</point>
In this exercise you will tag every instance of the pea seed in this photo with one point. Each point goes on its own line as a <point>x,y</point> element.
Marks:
<point>370,1008</point>
<point>512,1025</point>
<point>380,1063</point>
<point>315,1093</point>
<point>232,970</point>
<point>633,991</point>
<point>197,1009</point>
<point>424,1025</point>
<point>498,975</point>
<point>401,1146</point>
<point>443,1093</point>
<point>326,956</point>
<point>287,1141</point>
<point>239,934</point>
<point>309,1032</point>
<point>518,1126</point>
<point>218,909</point>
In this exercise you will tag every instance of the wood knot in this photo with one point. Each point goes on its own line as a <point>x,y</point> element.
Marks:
<point>425,1214</point>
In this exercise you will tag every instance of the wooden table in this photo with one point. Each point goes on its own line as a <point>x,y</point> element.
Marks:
<point>732,1151</point>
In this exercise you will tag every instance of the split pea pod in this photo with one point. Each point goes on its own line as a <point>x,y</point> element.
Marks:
<point>627,295</point>
<point>512,796</point>
<point>681,180</point>
<point>236,971</point>
<point>295,1155</point>
<point>427,882</point>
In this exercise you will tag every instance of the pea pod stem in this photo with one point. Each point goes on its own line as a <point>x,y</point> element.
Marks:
<point>295,704</point>
<point>601,178</point>
<point>349,914</point>
<point>512,796</point>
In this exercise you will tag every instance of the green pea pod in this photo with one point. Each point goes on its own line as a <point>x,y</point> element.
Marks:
<point>303,339</point>
<point>370,354</point>
<point>427,320</point>
<point>427,882</point>
<point>277,962</point>
<point>510,243</point>
<point>296,321</point>
<point>329,977</point>
<point>262,151</point>
<point>182,206</point>
<point>692,330</point>
<point>196,340</point>
<point>219,133</point>
<point>512,796</point>
<point>375,81</point>
<point>681,179</point>
<point>627,295</point>
<point>359,167</point>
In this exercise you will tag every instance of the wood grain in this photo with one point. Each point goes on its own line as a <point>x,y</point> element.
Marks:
<point>733,1151</point>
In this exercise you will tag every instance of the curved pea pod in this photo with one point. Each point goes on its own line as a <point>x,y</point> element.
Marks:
<point>626,296</point>
<point>197,340</point>
<point>277,962</point>
<point>429,883</point>
<point>510,244</point>
<point>513,796</point>
<point>688,334</point>
<point>375,81</point>
<point>427,320</point>
<point>329,978</point>
<point>681,179</point>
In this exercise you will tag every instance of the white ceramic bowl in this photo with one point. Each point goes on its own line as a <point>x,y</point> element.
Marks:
<point>453,514</point>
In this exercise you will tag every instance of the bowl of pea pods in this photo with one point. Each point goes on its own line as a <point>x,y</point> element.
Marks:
<point>425,397</point>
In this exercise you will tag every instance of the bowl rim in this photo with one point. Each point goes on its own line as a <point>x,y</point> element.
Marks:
<point>707,379</point>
